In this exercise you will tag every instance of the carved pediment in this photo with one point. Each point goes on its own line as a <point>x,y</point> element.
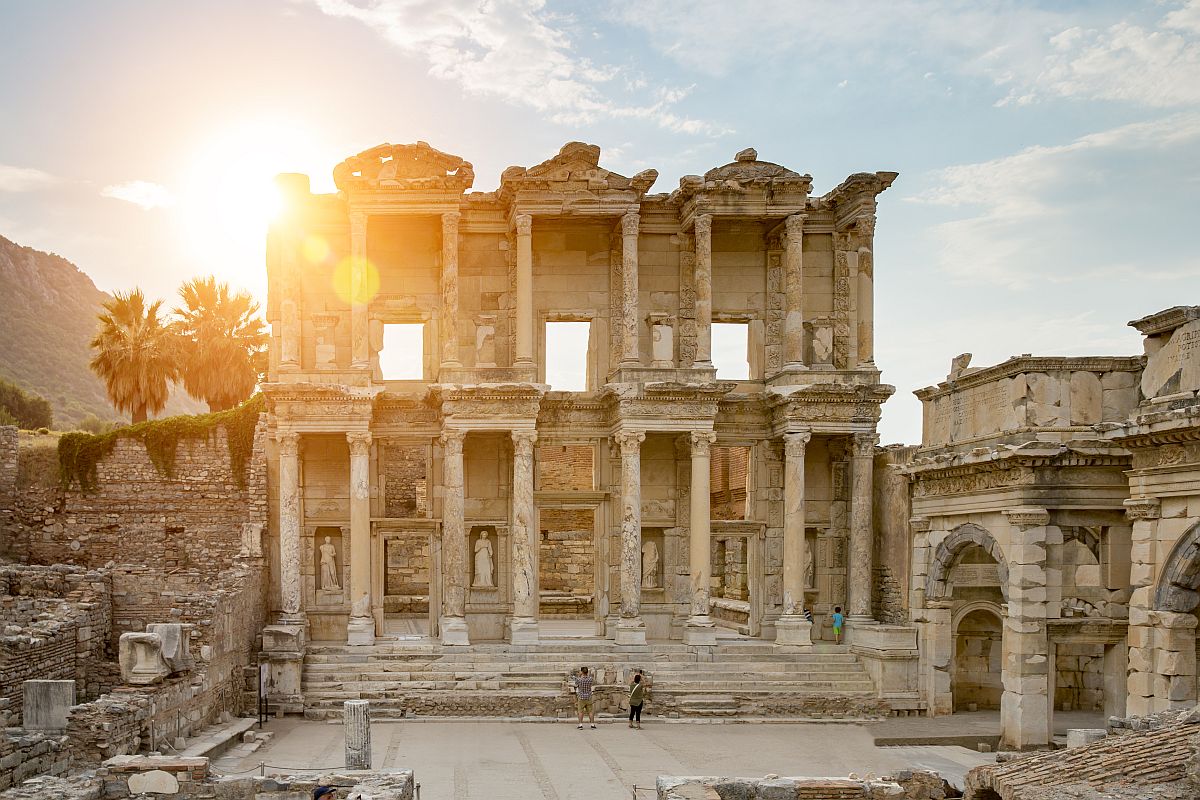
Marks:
<point>743,174</point>
<point>859,187</point>
<point>576,168</point>
<point>404,166</point>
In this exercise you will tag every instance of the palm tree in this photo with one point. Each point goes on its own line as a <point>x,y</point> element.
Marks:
<point>136,354</point>
<point>223,341</point>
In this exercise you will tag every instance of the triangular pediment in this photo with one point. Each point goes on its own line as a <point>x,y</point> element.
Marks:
<point>576,168</point>
<point>403,166</point>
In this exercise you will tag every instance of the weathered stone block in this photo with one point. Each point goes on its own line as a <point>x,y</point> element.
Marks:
<point>46,704</point>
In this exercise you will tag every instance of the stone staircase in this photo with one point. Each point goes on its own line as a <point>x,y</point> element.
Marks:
<point>737,678</point>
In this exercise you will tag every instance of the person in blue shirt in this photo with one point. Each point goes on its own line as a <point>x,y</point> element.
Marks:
<point>838,619</point>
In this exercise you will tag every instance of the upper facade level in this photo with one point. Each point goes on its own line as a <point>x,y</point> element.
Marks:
<point>468,285</point>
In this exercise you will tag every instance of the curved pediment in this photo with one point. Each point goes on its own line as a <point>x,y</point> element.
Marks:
<point>576,168</point>
<point>404,166</point>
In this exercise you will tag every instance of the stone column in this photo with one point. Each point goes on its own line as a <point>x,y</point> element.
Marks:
<point>524,343</point>
<point>793,272</point>
<point>703,290</point>
<point>449,325</point>
<point>289,306</point>
<point>630,628</point>
<point>361,628</point>
<point>792,628</point>
<point>866,289</point>
<point>524,542</point>
<point>1026,705</point>
<point>289,528</point>
<point>1144,512</point>
<point>700,629</point>
<point>861,575</point>
<point>360,355</point>
<point>454,541</point>
<point>630,354</point>
<point>356,716</point>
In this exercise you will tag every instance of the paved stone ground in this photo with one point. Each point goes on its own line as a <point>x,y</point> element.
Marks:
<point>522,761</point>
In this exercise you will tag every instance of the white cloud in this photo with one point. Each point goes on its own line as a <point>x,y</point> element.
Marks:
<point>518,52</point>
<point>1032,209</point>
<point>24,179</point>
<point>144,194</point>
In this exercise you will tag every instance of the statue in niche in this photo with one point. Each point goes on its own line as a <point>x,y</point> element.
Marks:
<point>810,569</point>
<point>483,563</point>
<point>649,565</point>
<point>329,570</point>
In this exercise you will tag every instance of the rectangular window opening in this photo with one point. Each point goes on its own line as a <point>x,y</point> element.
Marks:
<point>731,350</point>
<point>565,467</point>
<point>567,355</point>
<point>403,355</point>
<point>729,482</point>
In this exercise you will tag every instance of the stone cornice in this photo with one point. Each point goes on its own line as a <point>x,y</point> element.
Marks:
<point>1022,364</point>
<point>1152,429</point>
<point>986,469</point>
<point>1166,320</point>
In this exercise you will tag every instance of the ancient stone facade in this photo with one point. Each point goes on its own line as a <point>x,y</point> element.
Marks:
<point>466,499</point>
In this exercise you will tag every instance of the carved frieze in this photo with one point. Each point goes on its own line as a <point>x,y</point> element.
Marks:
<point>973,480</point>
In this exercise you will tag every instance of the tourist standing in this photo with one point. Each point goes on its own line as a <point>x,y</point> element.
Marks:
<point>838,619</point>
<point>583,696</point>
<point>637,696</point>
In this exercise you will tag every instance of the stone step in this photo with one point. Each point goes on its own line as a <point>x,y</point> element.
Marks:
<point>558,678</point>
<point>563,667</point>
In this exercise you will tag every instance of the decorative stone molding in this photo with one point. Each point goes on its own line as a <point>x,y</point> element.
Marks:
<point>937,583</point>
<point>920,524</point>
<point>1140,509</point>
<point>1027,517</point>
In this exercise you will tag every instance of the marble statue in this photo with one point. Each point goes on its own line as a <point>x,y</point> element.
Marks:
<point>329,570</point>
<point>649,565</point>
<point>483,563</point>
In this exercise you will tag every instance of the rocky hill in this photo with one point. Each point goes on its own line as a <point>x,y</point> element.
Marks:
<point>48,313</point>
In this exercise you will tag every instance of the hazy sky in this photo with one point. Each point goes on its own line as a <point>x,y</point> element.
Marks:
<point>1049,153</point>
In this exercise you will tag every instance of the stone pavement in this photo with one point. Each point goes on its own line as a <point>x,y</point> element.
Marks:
<point>501,760</point>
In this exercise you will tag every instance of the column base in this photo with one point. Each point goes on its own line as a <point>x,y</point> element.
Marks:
<point>360,631</point>
<point>793,630</point>
<point>700,632</point>
<point>859,621</point>
<point>454,631</point>
<point>524,630</point>
<point>631,631</point>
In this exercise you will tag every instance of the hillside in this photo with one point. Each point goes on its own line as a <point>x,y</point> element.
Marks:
<point>48,313</point>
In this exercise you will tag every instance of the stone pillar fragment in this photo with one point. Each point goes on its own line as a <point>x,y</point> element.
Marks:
<point>703,290</point>
<point>700,629</point>
<point>1144,513</point>
<point>793,628</point>
<point>630,628</point>
<point>360,355</point>
<point>449,326</point>
<point>356,716</point>
<point>46,704</point>
<point>361,628</point>
<point>793,271</point>
<point>1026,706</point>
<point>861,539</point>
<point>524,542</point>
<point>524,337</point>
<point>289,528</point>
<point>454,541</point>
<point>630,354</point>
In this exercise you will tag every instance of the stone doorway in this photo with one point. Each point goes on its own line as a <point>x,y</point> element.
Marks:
<point>978,660</point>
<point>566,564</point>
<point>406,559</point>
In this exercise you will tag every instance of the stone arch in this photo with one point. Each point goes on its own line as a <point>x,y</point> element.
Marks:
<point>937,585</point>
<point>1178,587</point>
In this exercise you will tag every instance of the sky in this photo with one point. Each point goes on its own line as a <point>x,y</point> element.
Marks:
<point>1049,153</point>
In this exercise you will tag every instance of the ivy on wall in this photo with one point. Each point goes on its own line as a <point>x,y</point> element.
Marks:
<point>79,453</point>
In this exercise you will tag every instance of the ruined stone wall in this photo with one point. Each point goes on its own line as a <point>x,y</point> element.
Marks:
<point>9,437</point>
<point>908,784</point>
<point>1079,683</point>
<point>565,558</point>
<point>406,483</point>
<point>24,754</point>
<point>893,549</point>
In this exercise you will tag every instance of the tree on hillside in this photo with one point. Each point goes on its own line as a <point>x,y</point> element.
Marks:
<point>30,411</point>
<point>136,354</point>
<point>223,342</point>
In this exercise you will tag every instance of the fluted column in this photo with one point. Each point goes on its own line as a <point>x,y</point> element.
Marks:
<point>792,628</point>
<point>524,344</point>
<point>361,628</point>
<point>360,351</point>
<point>861,541</point>
<point>703,290</point>
<point>793,271</point>
<point>630,628</point>
<point>449,325</point>
<point>630,355</point>
<point>454,541</point>
<point>289,528</point>
<point>524,542</point>
<point>700,629</point>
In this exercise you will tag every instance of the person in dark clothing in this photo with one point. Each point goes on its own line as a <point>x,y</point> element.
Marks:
<point>637,698</point>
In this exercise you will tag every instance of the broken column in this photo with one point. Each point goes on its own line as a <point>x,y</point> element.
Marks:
<point>356,716</point>
<point>1025,710</point>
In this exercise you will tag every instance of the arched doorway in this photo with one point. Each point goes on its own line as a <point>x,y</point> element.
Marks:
<point>1178,592</point>
<point>975,681</point>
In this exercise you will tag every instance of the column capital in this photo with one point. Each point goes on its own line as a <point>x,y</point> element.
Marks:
<point>524,224</point>
<point>360,442</point>
<point>523,441</point>
<point>920,524</point>
<point>1026,517</point>
<point>865,443</point>
<point>702,442</point>
<point>452,440</point>
<point>289,443</point>
<point>703,224</point>
<point>793,226</point>
<point>629,441</point>
<point>864,226</point>
<point>630,223</point>
<point>358,221</point>
<point>1142,508</point>
<point>450,221</point>
<point>795,442</point>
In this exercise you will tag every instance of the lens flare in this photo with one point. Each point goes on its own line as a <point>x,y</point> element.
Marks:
<point>315,250</point>
<point>350,291</point>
